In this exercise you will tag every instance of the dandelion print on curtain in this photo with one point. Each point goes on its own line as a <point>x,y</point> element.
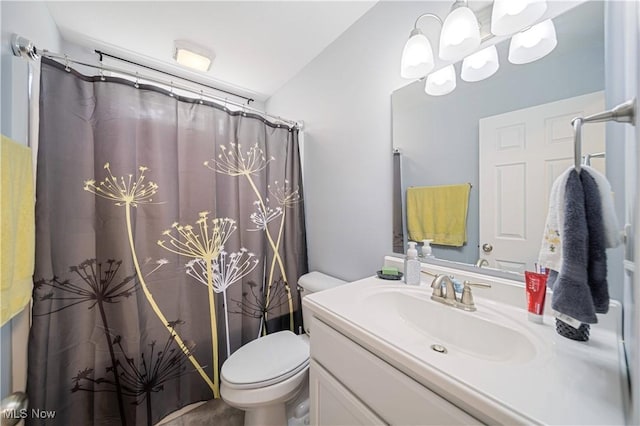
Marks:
<point>170,232</point>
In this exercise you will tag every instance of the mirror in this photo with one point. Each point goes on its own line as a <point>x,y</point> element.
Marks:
<point>437,137</point>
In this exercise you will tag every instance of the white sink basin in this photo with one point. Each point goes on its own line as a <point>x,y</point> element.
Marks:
<point>485,334</point>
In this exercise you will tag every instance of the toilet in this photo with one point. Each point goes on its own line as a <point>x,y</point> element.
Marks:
<point>266,374</point>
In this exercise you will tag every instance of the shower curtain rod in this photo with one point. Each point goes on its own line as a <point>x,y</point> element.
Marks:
<point>23,47</point>
<point>101,54</point>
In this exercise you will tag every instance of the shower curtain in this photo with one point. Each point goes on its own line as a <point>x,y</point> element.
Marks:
<point>170,231</point>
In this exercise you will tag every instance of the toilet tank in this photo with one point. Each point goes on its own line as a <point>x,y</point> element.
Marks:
<point>314,282</point>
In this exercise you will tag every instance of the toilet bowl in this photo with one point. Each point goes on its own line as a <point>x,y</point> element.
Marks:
<point>267,373</point>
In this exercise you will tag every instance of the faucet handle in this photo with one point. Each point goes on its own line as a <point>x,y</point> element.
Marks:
<point>467,298</point>
<point>472,284</point>
<point>482,262</point>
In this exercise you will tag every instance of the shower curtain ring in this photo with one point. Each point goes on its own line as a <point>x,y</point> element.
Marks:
<point>66,64</point>
<point>224,107</point>
<point>201,100</point>
<point>136,85</point>
<point>102,77</point>
<point>171,89</point>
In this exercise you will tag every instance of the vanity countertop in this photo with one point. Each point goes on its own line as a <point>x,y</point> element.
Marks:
<point>553,380</point>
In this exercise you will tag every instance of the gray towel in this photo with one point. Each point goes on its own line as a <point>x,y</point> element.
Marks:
<point>597,263</point>
<point>571,291</point>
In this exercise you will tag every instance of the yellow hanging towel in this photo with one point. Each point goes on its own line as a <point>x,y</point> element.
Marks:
<point>18,228</point>
<point>438,213</point>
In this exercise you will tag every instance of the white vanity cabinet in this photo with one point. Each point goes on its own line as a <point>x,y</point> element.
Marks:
<point>333,404</point>
<point>349,386</point>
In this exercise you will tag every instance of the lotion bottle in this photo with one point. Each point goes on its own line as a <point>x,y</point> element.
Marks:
<point>426,249</point>
<point>412,265</point>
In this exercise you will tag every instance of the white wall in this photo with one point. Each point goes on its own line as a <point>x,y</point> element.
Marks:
<point>30,20</point>
<point>344,98</point>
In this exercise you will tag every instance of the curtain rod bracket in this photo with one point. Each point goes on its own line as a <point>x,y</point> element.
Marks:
<point>22,47</point>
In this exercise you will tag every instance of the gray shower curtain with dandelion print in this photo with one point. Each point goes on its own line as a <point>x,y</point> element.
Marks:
<point>170,231</point>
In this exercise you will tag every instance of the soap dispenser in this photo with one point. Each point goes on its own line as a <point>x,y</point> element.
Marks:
<point>426,249</point>
<point>412,265</point>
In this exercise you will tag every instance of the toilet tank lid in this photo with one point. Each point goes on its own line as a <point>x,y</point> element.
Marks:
<point>317,281</point>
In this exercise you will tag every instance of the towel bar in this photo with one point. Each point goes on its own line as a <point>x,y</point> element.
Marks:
<point>623,113</point>
<point>586,159</point>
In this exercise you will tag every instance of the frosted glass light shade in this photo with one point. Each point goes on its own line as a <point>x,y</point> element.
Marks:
<point>441,82</point>
<point>460,34</point>
<point>480,65</point>
<point>533,44</point>
<point>192,56</point>
<point>193,60</point>
<point>510,16</point>
<point>417,56</point>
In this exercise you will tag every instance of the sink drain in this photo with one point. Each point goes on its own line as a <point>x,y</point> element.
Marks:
<point>439,348</point>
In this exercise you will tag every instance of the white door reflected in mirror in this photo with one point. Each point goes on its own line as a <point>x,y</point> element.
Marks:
<point>521,154</point>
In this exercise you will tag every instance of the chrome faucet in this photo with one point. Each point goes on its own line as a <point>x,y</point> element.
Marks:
<point>449,296</point>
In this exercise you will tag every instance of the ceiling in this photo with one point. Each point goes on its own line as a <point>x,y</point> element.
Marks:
<point>258,45</point>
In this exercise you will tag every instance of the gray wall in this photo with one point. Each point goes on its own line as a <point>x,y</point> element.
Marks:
<point>344,97</point>
<point>622,29</point>
<point>438,136</point>
<point>31,20</point>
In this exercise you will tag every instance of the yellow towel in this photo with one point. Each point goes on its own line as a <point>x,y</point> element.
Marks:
<point>17,227</point>
<point>438,213</point>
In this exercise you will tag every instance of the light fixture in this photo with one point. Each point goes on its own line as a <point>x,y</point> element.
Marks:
<point>192,56</point>
<point>460,34</point>
<point>510,16</point>
<point>441,82</point>
<point>480,65</point>
<point>533,44</point>
<point>460,39</point>
<point>417,55</point>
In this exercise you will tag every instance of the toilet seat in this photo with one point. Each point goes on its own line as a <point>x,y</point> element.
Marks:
<point>266,361</point>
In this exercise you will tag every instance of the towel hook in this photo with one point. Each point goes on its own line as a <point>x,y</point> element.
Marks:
<point>577,142</point>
